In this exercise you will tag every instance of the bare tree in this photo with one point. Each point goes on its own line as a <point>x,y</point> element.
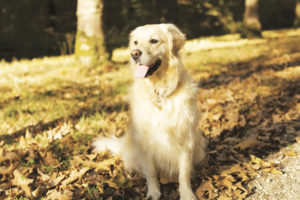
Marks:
<point>252,26</point>
<point>89,47</point>
<point>297,14</point>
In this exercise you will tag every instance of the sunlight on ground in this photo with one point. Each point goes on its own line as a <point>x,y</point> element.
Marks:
<point>213,42</point>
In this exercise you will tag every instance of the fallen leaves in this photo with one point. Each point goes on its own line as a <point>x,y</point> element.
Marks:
<point>259,118</point>
<point>49,159</point>
<point>250,141</point>
<point>9,161</point>
<point>74,175</point>
<point>23,182</point>
<point>207,190</point>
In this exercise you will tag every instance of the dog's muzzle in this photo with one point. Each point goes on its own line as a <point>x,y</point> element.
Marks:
<point>135,54</point>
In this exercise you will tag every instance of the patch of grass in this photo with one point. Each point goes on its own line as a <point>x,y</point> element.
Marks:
<point>93,192</point>
<point>83,138</point>
<point>28,163</point>
<point>10,112</point>
<point>244,108</point>
<point>22,198</point>
<point>66,162</point>
<point>48,169</point>
<point>90,125</point>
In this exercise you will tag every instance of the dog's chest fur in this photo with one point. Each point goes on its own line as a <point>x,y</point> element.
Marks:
<point>162,117</point>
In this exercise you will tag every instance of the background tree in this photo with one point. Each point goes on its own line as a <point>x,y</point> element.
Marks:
<point>89,47</point>
<point>252,26</point>
<point>297,14</point>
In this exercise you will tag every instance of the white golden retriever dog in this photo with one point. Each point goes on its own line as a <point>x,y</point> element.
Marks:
<point>162,136</point>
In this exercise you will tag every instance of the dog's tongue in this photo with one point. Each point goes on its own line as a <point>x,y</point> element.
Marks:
<point>141,70</point>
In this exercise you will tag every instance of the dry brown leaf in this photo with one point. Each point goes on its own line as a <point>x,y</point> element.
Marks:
<point>241,187</point>
<point>104,165</point>
<point>36,192</point>
<point>272,170</point>
<point>276,118</point>
<point>267,167</point>
<point>56,181</point>
<point>23,182</point>
<point>242,121</point>
<point>55,195</point>
<point>122,181</point>
<point>231,140</point>
<point>43,177</point>
<point>237,170</point>
<point>227,182</point>
<point>211,101</point>
<point>9,155</point>
<point>5,186</point>
<point>67,194</point>
<point>2,143</point>
<point>8,169</point>
<point>49,159</point>
<point>248,142</point>
<point>92,156</point>
<point>275,171</point>
<point>217,131</point>
<point>206,188</point>
<point>290,152</point>
<point>224,196</point>
<point>75,175</point>
<point>216,116</point>
<point>258,117</point>
<point>240,194</point>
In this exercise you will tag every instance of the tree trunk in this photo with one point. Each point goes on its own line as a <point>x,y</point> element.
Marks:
<point>252,26</point>
<point>297,14</point>
<point>89,47</point>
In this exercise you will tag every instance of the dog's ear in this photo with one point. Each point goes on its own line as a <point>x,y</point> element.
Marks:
<point>175,36</point>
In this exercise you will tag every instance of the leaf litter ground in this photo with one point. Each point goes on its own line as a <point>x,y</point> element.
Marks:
<point>51,109</point>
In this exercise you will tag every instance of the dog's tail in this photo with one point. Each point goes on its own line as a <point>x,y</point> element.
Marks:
<point>122,146</point>
<point>112,144</point>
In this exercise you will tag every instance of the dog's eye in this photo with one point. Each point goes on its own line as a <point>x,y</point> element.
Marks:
<point>135,42</point>
<point>153,41</point>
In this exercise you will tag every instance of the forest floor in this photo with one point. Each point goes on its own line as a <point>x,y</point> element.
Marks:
<point>51,109</point>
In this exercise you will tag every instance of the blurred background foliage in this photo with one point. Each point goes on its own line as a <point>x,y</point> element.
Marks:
<point>34,28</point>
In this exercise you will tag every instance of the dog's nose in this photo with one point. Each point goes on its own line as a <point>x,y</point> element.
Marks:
<point>135,54</point>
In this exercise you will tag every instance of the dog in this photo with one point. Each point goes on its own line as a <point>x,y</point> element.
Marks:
<point>163,135</point>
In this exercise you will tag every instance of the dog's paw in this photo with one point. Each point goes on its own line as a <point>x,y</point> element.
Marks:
<point>188,195</point>
<point>153,194</point>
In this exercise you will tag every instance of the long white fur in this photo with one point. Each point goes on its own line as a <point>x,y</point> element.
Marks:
<point>112,144</point>
<point>163,135</point>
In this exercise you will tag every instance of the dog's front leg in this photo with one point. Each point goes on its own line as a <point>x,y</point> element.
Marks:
<point>185,168</point>
<point>151,177</point>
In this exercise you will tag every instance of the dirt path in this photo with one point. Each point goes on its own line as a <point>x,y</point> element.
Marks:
<point>284,186</point>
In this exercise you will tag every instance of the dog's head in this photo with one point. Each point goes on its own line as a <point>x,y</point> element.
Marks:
<point>153,46</point>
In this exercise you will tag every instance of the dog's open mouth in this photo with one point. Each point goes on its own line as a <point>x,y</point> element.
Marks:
<point>142,71</point>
